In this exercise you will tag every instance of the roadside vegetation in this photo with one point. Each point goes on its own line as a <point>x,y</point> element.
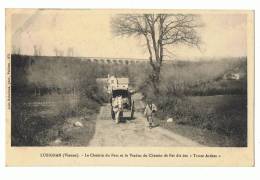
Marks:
<point>46,91</point>
<point>196,94</point>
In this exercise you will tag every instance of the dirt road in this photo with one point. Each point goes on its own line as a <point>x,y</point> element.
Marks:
<point>133,132</point>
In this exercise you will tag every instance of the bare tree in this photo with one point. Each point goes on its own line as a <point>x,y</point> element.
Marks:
<point>56,51</point>
<point>160,31</point>
<point>16,50</point>
<point>40,51</point>
<point>37,50</point>
<point>70,51</point>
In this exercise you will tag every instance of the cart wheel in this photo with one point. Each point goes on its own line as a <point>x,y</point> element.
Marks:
<point>121,115</point>
<point>112,114</point>
<point>132,109</point>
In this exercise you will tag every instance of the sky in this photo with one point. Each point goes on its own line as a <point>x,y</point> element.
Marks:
<point>89,34</point>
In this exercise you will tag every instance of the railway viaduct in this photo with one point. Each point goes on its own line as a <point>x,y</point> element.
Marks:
<point>101,60</point>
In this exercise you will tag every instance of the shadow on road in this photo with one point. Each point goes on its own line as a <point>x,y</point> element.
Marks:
<point>125,119</point>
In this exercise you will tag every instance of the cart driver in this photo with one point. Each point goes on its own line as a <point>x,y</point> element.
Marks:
<point>117,105</point>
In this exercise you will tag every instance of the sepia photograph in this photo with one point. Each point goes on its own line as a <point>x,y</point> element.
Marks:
<point>129,78</point>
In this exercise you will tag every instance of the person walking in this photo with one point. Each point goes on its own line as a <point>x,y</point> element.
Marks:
<point>149,112</point>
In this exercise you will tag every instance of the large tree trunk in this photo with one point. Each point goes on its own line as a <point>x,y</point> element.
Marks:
<point>155,78</point>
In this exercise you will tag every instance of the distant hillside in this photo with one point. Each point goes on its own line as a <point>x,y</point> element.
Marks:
<point>204,77</point>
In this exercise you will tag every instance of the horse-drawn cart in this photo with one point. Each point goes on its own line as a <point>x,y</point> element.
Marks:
<point>120,98</point>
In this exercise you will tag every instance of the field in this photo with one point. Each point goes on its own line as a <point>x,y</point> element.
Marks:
<point>38,121</point>
<point>219,120</point>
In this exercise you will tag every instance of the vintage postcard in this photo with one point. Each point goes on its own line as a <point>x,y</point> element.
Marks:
<point>129,87</point>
